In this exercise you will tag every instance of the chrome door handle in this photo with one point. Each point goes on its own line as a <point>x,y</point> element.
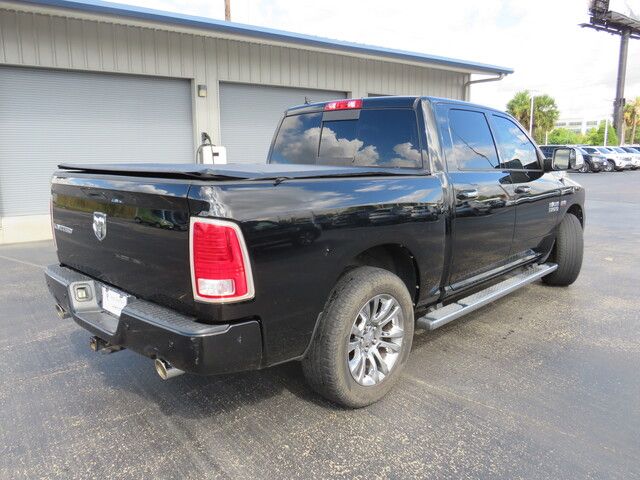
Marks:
<point>523,189</point>
<point>467,194</point>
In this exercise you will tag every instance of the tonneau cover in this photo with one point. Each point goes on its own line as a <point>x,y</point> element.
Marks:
<point>235,171</point>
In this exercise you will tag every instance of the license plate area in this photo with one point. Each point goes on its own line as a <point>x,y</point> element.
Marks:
<point>113,301</point>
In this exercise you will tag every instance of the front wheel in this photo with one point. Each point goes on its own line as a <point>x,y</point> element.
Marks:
<point>584,168</point>
<point>363,339</point>
<point>609,166</point>
<point>567,252</point>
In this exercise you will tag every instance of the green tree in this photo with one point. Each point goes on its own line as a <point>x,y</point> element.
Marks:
<point>595,136</point>
<point>632,121</point>
<point>545,112</point>
<point>564,136</point>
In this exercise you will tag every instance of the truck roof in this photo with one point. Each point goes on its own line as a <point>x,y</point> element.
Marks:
<point>390,101</point>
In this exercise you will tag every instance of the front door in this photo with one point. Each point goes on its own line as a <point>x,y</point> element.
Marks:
<point>484,214</point>
<point>536,194</point>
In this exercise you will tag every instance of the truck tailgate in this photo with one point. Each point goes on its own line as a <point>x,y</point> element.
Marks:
<point>129,232</point>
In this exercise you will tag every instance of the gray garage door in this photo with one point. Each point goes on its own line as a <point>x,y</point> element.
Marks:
<point>250,113</point>
<point>48,117</point>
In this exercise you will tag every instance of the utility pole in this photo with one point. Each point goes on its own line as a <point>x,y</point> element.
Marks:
<point>531,117</point>
<point>618,103</point>
<point>227,10</point>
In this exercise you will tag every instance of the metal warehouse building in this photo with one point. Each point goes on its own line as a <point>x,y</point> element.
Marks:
<point>89,81</point>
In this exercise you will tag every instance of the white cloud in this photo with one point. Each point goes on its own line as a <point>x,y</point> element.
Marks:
<point>301,148</point>
<point>541,40</point>
<point>407,155</point>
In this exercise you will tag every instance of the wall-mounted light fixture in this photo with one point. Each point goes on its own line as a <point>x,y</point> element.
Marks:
<point>202,91</point>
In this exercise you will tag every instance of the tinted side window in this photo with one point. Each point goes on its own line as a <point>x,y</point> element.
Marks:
<point>297,140</point>
<point>516,151</point>
<point>473,147</point>
<point>380,138</point>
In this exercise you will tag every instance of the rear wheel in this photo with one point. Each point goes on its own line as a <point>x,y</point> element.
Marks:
<point>585,168</point>
<point>363,339</point>
<point>567,252</point>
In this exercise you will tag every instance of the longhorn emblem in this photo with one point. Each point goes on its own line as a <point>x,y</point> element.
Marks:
<point>100,225</point>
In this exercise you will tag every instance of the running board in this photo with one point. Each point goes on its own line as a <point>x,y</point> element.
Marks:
<point>443,315</point>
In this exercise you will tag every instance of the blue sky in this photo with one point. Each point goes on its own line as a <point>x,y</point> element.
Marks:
<point>541,40</point>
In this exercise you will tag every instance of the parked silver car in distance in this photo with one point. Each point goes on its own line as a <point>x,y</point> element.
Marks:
<point>635,155</point>
<point>617,161</point>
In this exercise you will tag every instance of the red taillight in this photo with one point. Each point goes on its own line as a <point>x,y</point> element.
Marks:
<point>344,104</point>
<point>220,269</point>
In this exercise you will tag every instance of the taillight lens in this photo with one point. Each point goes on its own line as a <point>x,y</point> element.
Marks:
<point>344,104</point>
<point>220,269</point>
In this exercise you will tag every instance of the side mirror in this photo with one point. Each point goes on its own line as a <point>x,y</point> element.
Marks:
<point>577,161</point>
<point>565,158</point>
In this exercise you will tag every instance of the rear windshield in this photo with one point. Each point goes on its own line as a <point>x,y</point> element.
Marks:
<point>378,138</point>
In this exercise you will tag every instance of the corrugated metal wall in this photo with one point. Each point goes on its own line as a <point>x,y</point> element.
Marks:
<point>43,40</point>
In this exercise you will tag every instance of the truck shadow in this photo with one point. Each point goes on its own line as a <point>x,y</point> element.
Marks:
<point>193,396</point>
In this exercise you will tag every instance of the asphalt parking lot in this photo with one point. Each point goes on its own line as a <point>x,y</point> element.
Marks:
<point>544,383</point>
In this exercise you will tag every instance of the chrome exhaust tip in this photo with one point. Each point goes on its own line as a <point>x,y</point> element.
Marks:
<point>61,312</point>
<point>165,370</point>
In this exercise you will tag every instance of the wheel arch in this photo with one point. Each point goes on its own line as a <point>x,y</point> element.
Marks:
<point>393,257</point>
<point>577,211</point>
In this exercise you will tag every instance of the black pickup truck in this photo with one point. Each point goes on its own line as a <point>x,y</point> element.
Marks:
<point>371,217</point>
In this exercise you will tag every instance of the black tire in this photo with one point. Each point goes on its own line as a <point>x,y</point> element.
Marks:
<point>585,168</point>
<point>326,366</point>
<point>610,166</point>
<point>567,252</point>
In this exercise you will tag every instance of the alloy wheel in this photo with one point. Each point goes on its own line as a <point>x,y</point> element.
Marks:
<point>375,341</point>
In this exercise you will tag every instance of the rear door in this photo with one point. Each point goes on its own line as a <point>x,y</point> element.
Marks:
<point>484,215</point>
<point>536,194</point>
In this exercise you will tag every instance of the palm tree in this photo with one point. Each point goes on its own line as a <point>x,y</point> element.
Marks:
<point>545,112</point>
<point>519,107</point>
<point>632,118</point>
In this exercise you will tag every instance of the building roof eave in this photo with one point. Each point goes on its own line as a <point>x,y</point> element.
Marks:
<point>267,34</point>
